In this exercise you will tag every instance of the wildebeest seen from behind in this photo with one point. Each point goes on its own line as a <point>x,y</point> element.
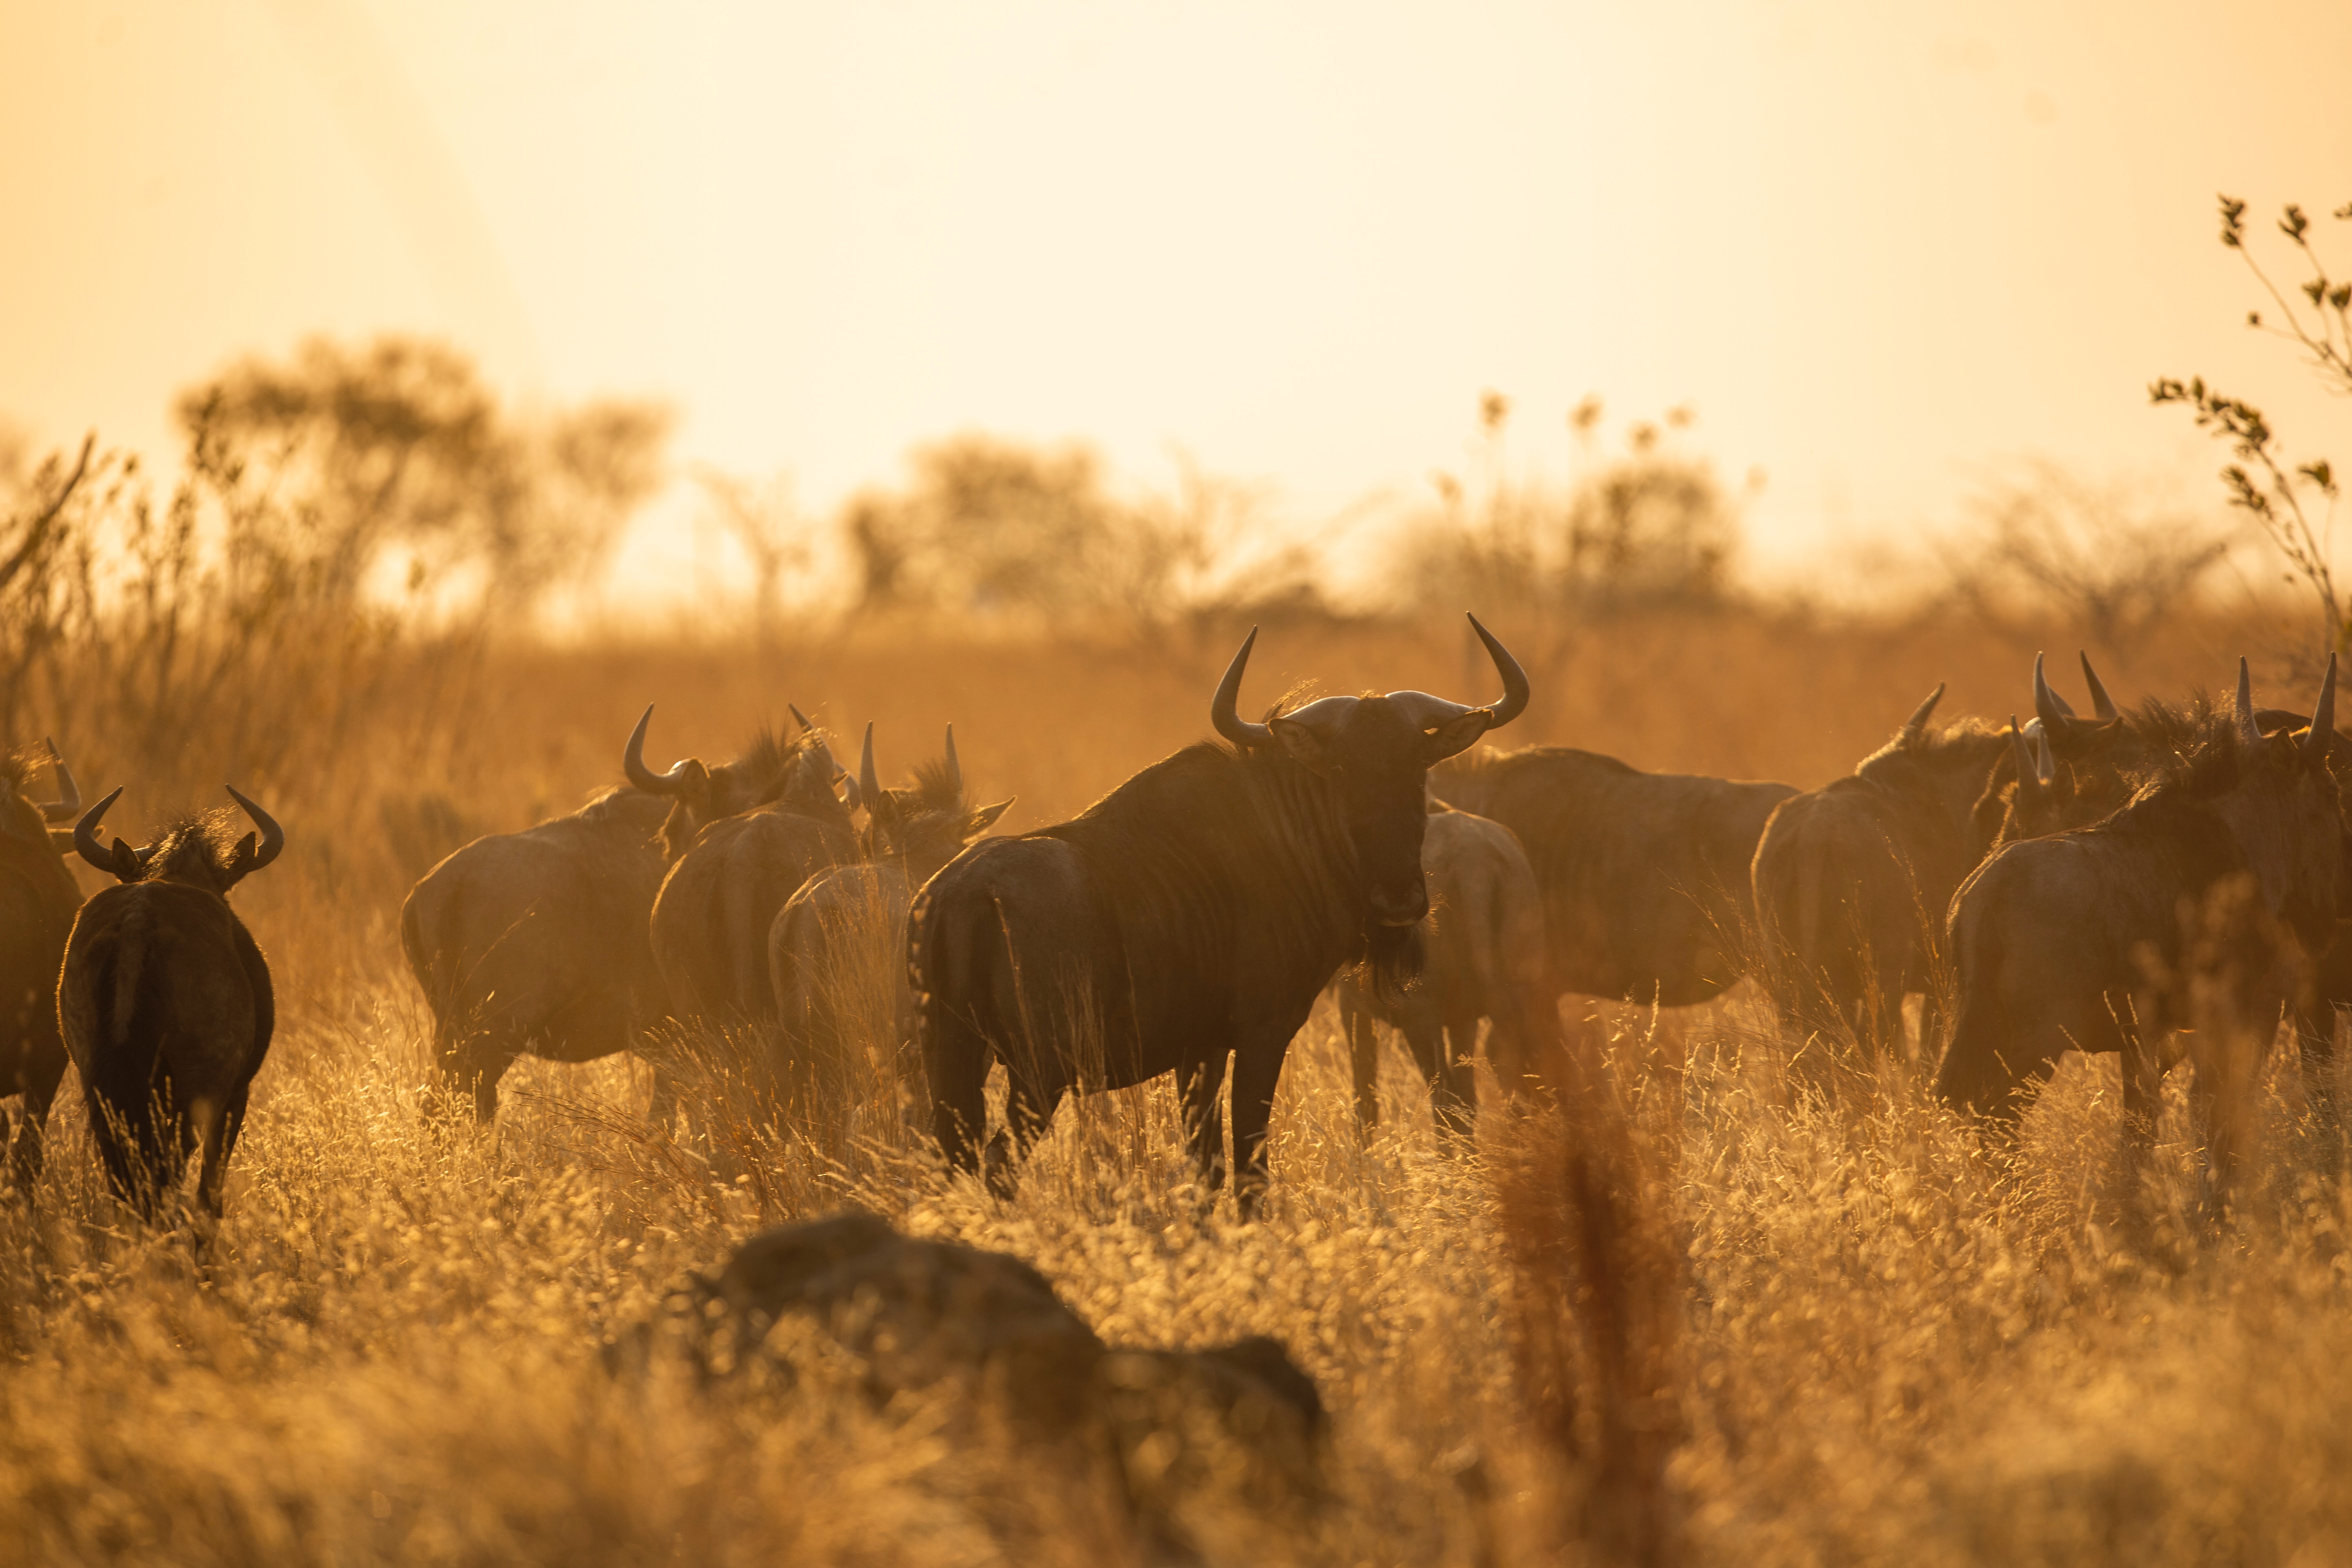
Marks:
<point>1195,912</point>
<point>2079,940</point>
<point>37,900</point>
<point>2083,768</point>
<point>711,917</point>
<point>838,946</point>
<point>165,1003</point>
<point>1482,957</point>
<point>534,943</point>
<point>2096,766</point>
<point>1851,881</point>
<point>1643,876</point>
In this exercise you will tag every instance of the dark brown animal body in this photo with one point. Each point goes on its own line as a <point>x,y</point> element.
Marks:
<point>842,936</point>
<point>535,943</point>
<point>711,917</point>
<point>2091,768</point>
<point>2077,941</point>
<point>1482,957</point>
<point>1851,881</point>
<point>37,900</point>
<point>165,1005</point>
<point>1643,876</point>
<point>1193,914</point>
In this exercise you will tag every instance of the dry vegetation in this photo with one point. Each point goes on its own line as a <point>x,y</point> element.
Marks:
<point>1879,1345</point>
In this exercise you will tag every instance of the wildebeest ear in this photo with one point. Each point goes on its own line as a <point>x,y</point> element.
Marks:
<point>983,819</point>
<point>128,867</point>
<point>240,860</point>
<point>1305,746</point>
<point>1459,734</point>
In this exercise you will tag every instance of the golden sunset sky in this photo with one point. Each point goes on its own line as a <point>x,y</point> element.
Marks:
<point>1882,249</point>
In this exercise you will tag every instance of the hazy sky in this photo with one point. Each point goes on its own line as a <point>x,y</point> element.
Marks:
<point>1881,249</point>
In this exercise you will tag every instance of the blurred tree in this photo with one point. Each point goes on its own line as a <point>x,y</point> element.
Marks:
<point>2265,482</point>
<point>770,530</point>
<point>1648,526</point>
<point>992,527</point>
<point>2046,544</point>
<point>398,446</point>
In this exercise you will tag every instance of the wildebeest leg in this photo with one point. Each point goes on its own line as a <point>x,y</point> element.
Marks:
<point>1424,1036</point>
<point>217,1137</point>
<point>1363,1061</point>
<point>28,1147</point>
<point>1202,1088</point>
<point>2143,1104</point>
<point>466,1069</point>
<point>1257,1072</point>
<point>1931,1028</point>
<point>1454,1092</point>
<point>1029,1108</point>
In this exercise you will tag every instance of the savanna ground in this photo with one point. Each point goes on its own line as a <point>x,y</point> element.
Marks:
<point>1879,1344</point>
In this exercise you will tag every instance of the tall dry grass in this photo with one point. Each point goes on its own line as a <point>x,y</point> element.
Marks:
<point>1849,1334</point>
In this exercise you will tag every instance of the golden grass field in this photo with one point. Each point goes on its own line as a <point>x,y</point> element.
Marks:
<point>1881,1345</point>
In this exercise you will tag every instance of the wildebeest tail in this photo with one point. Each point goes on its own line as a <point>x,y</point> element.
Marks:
<point>949,942</point>
<point>123,1080</point>
<point>1970,1073</point>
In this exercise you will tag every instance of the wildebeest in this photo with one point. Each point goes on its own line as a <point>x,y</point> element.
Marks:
<point>1196,911</point>
<point>534,943</point>
<point>1482,957</point>
<point>2107,759</point>
<point>1643,876</point>
<point>37,900</point>
<point>165,1002</point>
<point>2078,941</point>
<point>711,917</point>
<point>1852,880</point>
<point>837,946</point>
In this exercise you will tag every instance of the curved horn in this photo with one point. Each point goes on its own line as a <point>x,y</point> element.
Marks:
<point>2248,731</point>
<point>2048,706</point>
<point>85,836</point>
<point>1222,710</point>
<point>2045,766</point>
<point>2102,705</point>
<point>1514,701</point>
<point>1918,719</point>
<point>2029,767</point>
<point>869,789</point>
<point>273,838</point>
<point>632,760</point>
<point>2323,716</point>
<point>955,769</point>
<point>799,718</point>
<point>68,805</point>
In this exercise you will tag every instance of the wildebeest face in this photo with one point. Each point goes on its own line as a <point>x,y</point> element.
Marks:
<point>1376,751</point>
<point>1378,762</point>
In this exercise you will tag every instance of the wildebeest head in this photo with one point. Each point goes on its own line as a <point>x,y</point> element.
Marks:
<point>2070,737</point>
<point>191,852</point>
<point>29,822</point>
<point>801,771</point>
<point>1374,753</point>
<point>928,825</point>
<point>2277,793</point>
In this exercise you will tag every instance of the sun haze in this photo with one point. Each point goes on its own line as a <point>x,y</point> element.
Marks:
<point>1876,249</point>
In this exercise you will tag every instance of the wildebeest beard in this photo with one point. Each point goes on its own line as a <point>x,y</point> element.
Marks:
<point>1390,961</point>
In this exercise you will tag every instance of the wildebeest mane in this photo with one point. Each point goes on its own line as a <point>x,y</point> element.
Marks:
<point>1960,743</point>
<point>202,838</point>
<point>1194,841</point>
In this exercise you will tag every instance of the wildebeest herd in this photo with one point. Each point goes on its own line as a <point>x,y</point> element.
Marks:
<point>2118,882</point>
